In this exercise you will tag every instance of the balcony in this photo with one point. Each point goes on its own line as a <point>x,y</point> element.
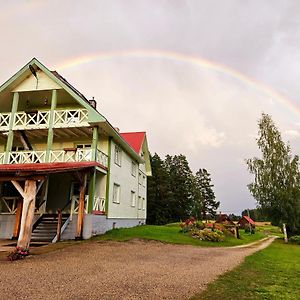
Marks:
<point>78,155</point>
<point>41,119</point>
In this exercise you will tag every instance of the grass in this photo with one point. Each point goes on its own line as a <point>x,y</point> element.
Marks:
<point>171,234</point>
<point>272,273</point>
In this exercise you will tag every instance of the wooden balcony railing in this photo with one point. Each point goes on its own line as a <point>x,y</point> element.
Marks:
<point>29,157</point>
<point>41,119</point>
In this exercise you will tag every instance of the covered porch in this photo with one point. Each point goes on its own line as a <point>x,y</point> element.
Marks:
<point>68,191</point>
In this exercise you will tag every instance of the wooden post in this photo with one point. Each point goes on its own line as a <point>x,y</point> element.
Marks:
<point>285,233</point>
<point>27,214</point>
<point>59,222</point>
<point>18,219</point>
<point>81,209</point>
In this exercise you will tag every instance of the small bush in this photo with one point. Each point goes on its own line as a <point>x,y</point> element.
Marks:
<point>295,239</point>
<point>249,229</point>
<point>208,235</point>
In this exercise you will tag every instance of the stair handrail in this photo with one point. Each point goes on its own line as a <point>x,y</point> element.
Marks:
<point>63,228</point>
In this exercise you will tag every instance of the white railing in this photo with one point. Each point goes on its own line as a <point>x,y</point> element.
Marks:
<point>4,120</point>
<point>30,120</point>
<point>41,119</point>
<point>2,158</point>
<point>99,204</point>
<point>76,155</point>
<point>75,205</point>
<point>70,117</point>
<point>102,158</point>
<point>9,205</point>
<point>27,157</point>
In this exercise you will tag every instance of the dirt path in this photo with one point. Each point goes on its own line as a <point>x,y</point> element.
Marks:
<point>113,270</point>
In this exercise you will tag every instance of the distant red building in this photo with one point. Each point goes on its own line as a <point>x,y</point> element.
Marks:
<point>246,220</point>
<point>224,219</point>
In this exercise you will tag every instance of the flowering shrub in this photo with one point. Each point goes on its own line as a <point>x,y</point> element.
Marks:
<point>204,232</point>
<point>18,253</point>
<point>208,235</point>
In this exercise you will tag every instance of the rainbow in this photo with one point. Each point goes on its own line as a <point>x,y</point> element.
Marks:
<point>184,58</point>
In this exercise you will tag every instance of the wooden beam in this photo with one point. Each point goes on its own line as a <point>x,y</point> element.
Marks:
<point>21,178</point>
<point>18,187</point>
<point>18,219</point>
<point>81,208</point>
<point>27,214</point>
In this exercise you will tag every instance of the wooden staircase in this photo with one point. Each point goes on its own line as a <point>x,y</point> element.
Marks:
<point>46,228</point>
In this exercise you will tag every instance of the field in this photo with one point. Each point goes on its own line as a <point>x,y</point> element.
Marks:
<point>272,273</point>
<point>171,234</point>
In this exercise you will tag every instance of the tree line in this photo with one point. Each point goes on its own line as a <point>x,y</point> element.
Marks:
<point>174,193</point>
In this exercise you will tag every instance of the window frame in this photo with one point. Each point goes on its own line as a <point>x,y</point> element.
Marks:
<point>118,156</point>
<point>116,193</point>
<point>133,198</point>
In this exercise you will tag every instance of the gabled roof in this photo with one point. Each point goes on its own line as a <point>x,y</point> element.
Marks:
<point>134,139</point>
<point>248,219</point>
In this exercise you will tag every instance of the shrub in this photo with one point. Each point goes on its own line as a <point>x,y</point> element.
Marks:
<point>249,229</point>
<point>208,235</point>
<point>295,239</point>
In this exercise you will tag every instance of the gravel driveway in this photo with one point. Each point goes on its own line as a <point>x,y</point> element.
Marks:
<point>118,270</point>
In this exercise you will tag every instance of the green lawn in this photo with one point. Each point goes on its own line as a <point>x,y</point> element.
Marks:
<point>171,234</point>
<point>272,273</point>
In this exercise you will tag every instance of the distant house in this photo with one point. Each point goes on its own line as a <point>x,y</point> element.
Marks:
<point>245,220</point>
<point>224,219</point>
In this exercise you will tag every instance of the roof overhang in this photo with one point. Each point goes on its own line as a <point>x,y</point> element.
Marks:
<point>27,171</point>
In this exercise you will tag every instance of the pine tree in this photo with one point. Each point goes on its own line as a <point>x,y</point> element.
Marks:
<point>204,202</point>
<point>181,185</point>
<point>158,193</point>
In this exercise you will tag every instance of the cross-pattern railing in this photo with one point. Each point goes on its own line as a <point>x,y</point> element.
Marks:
<point>102,158</point>
<point>2,157</point>
<point>9,205</point>
<point>75,205</point>
<point>27,157</point>
<point>4,120</point>
<point>30,120</point>
<point>41,119</point>
<point>70,117</point>
<point>30,156</point>
<point>78,155</point>
<point>99,204</point>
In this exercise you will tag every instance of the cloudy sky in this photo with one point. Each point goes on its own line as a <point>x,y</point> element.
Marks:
<point>195,75</point>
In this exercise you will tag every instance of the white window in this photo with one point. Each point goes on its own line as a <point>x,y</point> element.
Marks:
<point>118,156</point>
<point>116,193</point>
<point>133,198</point>
<point>140,202</point>
<point>133,168</point>
<point>144,204</point>
<point>140,178</point>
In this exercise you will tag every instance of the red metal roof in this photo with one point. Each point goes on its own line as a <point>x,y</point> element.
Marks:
<point>134,139</point>
<point>47,167</point>
<point>248,219</point>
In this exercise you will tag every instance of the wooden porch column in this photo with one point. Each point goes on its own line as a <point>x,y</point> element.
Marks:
<point>18,219</point>
<point>27,214</point>
<point>51,124</point>
<point>81,208</point>
<point>10,136</point>
<point>108,175</point>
